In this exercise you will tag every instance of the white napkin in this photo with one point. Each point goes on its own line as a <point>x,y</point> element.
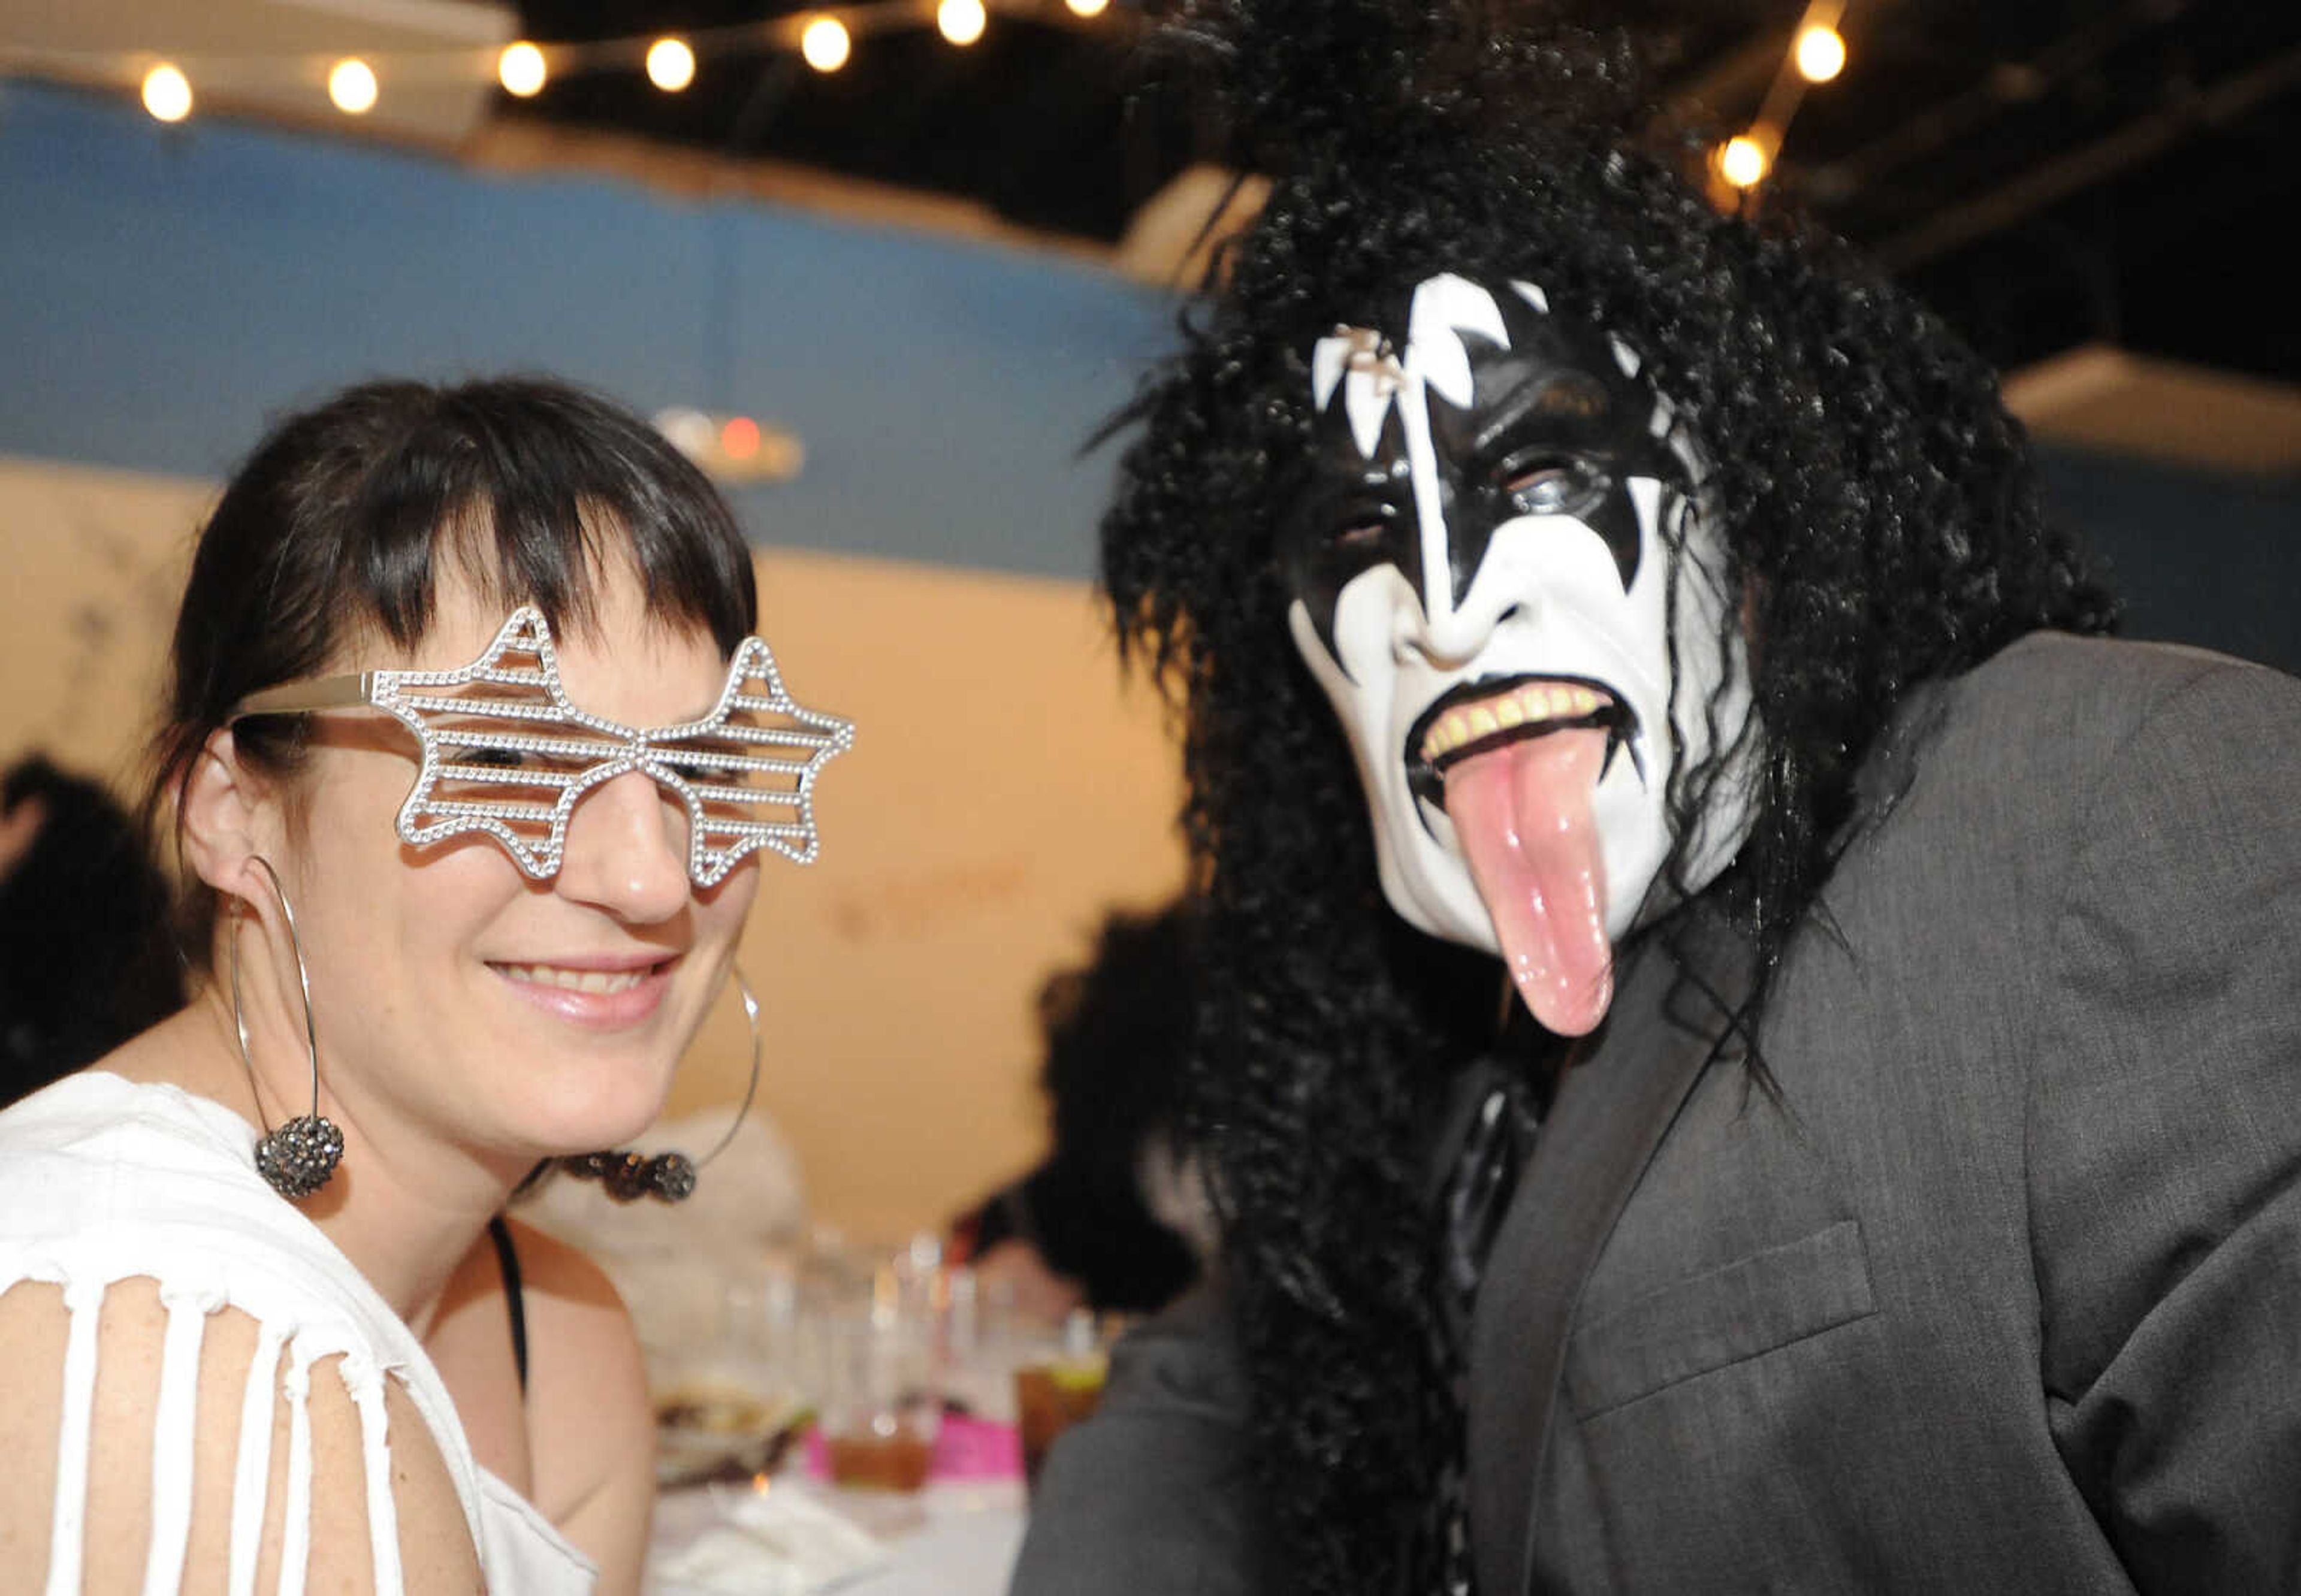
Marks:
<point>782,1543</point>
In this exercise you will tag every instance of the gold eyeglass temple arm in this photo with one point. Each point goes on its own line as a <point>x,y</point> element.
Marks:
<point>323,692</point>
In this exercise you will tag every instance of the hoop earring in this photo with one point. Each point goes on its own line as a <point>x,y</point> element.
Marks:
<point>301,1156</point>
<point>627,1176</point>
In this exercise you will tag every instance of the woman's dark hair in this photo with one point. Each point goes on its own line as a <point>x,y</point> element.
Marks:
<point>83,965</point>
<point>333,532</point>
<point>1878,509</point>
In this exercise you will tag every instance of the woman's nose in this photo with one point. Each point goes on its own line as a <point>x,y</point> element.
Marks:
<point>626,851</point>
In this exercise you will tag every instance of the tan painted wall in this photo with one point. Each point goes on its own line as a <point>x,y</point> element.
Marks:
<point>94,562</point>
<point>1004,790</point>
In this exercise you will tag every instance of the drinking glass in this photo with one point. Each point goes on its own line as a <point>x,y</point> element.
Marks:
<point>881,1398</point>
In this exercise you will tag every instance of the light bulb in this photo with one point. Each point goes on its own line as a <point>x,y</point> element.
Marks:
<point>520,70</point>
<point>1820,53</point>
<point>1087,8</point>
<point>670,64</point>
<point>167,93</point>
<point>1742,161</point>
<point>961,20</point>
<point>826,45</point>
<point>351,85</point>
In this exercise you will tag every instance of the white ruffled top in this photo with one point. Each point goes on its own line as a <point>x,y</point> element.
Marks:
<point>108,1180</point>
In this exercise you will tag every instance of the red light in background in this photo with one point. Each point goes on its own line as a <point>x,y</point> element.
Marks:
<point>740,437</point>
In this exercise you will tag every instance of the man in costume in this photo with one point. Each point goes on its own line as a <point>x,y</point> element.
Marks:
<point>1887,1180</point>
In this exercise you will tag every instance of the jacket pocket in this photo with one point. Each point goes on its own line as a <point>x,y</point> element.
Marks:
<point>1721,1316</point>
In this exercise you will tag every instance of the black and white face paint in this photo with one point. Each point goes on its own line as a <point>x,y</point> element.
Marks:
<point>1498,538</point>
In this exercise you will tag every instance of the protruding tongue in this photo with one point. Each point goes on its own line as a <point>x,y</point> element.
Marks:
<point>1523,814</point>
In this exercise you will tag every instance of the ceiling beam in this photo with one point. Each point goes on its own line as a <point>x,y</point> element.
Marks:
<point>2056,180</point>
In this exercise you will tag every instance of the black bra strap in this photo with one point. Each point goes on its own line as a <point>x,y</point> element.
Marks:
<point>507,1259</point>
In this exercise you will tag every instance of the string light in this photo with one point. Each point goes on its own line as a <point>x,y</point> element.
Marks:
<point>825,39</point>
<point>351,85</point>
<point>1742,161</point>
<point>167,93</point>
<point>520,70</point>
<point>1820,53</point>
<point>670,64</point>
<point>825,44</point>
<point>961,22</point>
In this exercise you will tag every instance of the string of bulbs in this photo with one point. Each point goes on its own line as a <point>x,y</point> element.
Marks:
<point>825,39</point>
<point>1817,54</point>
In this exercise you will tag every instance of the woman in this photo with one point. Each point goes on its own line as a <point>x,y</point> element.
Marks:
<point>469,935</point>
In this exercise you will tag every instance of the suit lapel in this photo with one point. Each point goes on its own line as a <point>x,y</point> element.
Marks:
<point>1606,1121</point>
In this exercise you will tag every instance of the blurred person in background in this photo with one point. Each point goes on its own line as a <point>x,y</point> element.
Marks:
<point>85,958</point>
<point>453,753</point>
<point>1113,1218</point>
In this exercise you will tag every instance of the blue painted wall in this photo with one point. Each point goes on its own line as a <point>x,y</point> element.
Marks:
<point>163,290</point>
<point>2199,558</point>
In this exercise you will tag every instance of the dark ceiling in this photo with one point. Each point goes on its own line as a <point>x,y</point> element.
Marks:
<point>2044,172</point>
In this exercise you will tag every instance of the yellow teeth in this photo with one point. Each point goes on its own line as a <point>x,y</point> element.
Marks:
<point>1530,705</point>
<point>576,980</point>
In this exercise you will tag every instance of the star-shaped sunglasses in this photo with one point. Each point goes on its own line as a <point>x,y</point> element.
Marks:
<point>507,753</point>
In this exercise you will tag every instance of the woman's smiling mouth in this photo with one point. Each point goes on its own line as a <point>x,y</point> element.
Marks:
<point>579,981</point>
<point>604,996</point>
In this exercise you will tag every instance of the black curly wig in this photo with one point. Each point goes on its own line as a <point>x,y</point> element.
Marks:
<point>1878,512</point>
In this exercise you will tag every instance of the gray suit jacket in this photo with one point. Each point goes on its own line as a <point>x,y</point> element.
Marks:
<point>2003,1291</point>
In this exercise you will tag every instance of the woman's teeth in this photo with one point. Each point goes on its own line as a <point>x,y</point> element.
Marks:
<point>579,981</point>
<point>1535,702</point>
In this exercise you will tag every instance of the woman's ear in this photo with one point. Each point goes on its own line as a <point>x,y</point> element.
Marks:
<point>222,812</point>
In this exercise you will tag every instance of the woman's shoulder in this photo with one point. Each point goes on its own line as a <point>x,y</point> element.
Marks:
<point>104,1398</point>
<point>579,1335</point>
<point>584,1376</point>
<point>140,1177</point>
<point>590,1419</point>
<point>113,1140</point>
<point>146,1273</point>
<point>587,1383</point>
<point>134,1222</point>
<point>93,1113</point>
<point>94,1154</point>
<point>113,1180</point>
<point>578,1442</point>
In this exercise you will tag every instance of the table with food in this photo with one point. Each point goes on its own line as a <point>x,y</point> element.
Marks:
<point>850,1418</point>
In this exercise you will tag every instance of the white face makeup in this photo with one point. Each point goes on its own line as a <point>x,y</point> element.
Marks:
<point>1499,541</point>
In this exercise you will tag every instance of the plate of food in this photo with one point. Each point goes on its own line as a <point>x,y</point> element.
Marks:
<point>717,1428</point>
